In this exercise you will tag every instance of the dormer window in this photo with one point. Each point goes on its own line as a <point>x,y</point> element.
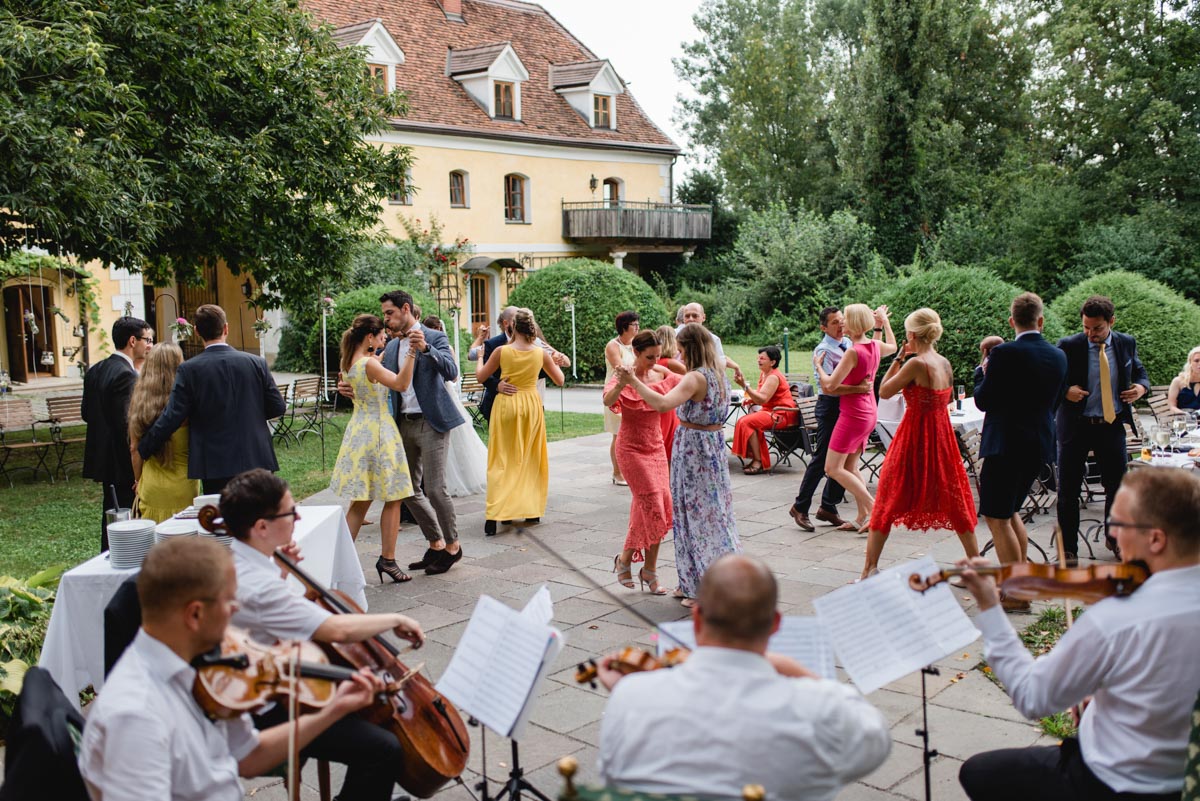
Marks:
<point>384,56</point>
<point>591,87</point>
<point>378,75</point>
<point>492,75</point>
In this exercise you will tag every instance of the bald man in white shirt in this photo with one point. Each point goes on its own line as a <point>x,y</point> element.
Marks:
<point>732,714</point>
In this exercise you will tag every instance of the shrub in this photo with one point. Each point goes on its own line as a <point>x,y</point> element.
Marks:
<point>350,305</point>
<point>973,303</point>
<point>601,291</point>
<point>25,607</point>
<point>1166,324</point>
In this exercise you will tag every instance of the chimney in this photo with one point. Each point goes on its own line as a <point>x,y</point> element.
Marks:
<point>452,9</point>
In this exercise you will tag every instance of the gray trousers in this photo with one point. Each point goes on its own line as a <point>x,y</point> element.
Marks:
<point>425,450</point>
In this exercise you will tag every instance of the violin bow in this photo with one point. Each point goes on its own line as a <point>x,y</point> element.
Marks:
<point>604,590</point>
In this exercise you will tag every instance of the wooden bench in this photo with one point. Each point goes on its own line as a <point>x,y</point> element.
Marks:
<point>63,411</point>
<point>16,414</point>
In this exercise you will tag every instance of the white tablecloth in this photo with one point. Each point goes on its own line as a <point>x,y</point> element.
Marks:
<point>74,648</point>
<point>891,411</point>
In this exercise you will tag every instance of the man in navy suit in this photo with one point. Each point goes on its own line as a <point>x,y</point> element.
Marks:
<point>495,384</point>
<point>1022,384</point>
<point>107,387</point>
<point>1095,411</point>
<point>226,397</point>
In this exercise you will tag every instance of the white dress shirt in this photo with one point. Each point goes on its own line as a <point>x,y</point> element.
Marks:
<point>267,607</point>
<point>1139,657</point>
<point>725,719</point>
<point>147,740</point>
<point>408,398</point>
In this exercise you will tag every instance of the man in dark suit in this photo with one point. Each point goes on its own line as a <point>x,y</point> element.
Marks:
<point>107,387</point>
<point>495,384</point>
<point>1022,384</point>
<point>226,397</point>
<point>1105,378</point>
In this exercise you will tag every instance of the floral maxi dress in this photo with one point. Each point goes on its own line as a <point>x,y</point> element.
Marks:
<point>371,464</point>
<point>702,498</point>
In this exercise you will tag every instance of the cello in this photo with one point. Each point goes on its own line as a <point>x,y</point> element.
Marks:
<point>430,731</point>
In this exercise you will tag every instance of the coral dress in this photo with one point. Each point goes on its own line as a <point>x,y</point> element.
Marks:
<point>371,464</point>
<point>668,420</point>
<point>755,423</point>
<point>518,474</point>
<point>701,495</point>
<point>922,483</point>
<point>643,462</point>
<point>857,415</point>
<point>166,489</point>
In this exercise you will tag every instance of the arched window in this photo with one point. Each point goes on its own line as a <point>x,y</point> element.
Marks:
<point>612,191</point>
<point>460,197</point>
<point>516,198</point>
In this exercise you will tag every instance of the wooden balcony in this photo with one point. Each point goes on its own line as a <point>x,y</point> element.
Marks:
<point>637,224</point>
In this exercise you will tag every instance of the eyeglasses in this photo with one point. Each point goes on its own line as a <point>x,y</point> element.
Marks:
<point>147,340</point>
<point>1110,524</point>
<point>294,513</point>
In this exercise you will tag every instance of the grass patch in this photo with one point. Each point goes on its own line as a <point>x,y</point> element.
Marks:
<point>1039,637</point>
<point>799,361</point>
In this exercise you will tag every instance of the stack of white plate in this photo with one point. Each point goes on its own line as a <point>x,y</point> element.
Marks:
<point>175,528</point>
<point>128,541</point>
<point>221,538</point>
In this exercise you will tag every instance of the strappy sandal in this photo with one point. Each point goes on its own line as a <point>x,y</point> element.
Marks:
<point>652,580</point>
<point>624,571</point>
<point>751,470</point>
<point>688,603</point>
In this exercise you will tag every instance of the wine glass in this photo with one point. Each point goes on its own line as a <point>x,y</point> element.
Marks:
<point>1179,425</point>
<point>960,394</point>
<point>1162,438</point>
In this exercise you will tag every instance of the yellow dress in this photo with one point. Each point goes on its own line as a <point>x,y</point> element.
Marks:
<point>166,489</point>
<point>371,464</point>
<point>518,476</point>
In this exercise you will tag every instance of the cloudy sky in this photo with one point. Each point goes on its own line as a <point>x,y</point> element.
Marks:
<point>640,37</point>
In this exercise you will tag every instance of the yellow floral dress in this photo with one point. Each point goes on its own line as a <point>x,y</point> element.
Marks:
<point>165,489</point>
<point>518,474</point>
<point>371,465</point>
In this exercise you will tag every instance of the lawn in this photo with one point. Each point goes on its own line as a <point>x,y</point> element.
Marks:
<point>799,361</point>
<point>43,524</point>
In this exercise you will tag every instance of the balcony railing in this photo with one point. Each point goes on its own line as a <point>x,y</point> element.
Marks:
<point>643,221</point>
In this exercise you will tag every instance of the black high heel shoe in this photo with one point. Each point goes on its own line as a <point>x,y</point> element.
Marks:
<point>489,527</point>
<point>390,567</point>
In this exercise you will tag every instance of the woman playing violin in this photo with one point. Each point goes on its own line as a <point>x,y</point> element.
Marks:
<point>1134,662</point>
<point>260,513</point>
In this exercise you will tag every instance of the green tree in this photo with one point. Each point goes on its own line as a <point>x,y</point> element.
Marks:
<point>165,136</point>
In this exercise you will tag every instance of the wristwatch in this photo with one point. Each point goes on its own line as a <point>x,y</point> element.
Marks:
<point>880,330</point>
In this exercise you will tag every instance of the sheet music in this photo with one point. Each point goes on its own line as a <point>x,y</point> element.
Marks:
<point>802,638</point>
<point>882,630</point>
<point>539,608</point>
<point>497,665</point>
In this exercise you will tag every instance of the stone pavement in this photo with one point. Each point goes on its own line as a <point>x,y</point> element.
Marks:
<point>586,522</point>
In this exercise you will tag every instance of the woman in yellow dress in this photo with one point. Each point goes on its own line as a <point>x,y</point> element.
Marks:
<point>371,464</point>
<point>518,476</point>
<point>163,486</point>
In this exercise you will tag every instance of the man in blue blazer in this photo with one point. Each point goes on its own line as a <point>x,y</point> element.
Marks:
<point>1021,386</point>
<point>226,397</point>
<point>495,384</point>
<point>1095,412</point>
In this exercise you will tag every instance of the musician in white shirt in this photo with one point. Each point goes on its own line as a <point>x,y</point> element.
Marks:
<point>146,738</point>
<point>1134,662</point>
<point>260,513</point>
<point>733,714</point>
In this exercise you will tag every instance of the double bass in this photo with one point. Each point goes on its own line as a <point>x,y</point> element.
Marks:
<point>430,731</point>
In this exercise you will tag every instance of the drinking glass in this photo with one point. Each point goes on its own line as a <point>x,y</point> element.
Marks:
<point>1179,424</point>
<point>960,394</point>
<point>1162,438</point>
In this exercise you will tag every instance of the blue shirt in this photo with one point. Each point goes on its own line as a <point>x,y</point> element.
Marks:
<point>831,351</point>
<point>1093,407</point>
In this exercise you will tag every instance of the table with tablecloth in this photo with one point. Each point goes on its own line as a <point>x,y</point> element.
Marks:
<point>73,652</point>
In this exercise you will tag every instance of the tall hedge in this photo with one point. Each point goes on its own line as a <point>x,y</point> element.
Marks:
<point>350,305</point>
<point>601,291</point>
<point>1165,323</point>
<point>973,303</point>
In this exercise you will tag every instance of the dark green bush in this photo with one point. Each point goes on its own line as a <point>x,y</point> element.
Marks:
<point>1166,324</point>
<point>350,305</point>
<point>972,302</point>
<point>601,291</point>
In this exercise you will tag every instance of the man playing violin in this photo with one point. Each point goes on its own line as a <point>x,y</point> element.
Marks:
<point>260,513</point>
<point>1134,662</point>
<point>732,714</point>
<point>146,738</point>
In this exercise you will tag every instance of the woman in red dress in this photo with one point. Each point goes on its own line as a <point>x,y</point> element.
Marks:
<point>922,483</point>
<point>776,405</point>
<point>642,460</point>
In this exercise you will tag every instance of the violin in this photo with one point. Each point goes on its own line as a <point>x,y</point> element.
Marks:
<point>1027,581</point>
<point>430,731</point>
<point>241,675</point>
<point>632,660</point>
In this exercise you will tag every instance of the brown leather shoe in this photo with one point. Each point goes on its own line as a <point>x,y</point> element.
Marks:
<point>832,518</point>
<point>1013,605</point>
<point>801,519</point>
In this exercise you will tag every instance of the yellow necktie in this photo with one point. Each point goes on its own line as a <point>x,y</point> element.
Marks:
<point>1106,395</point>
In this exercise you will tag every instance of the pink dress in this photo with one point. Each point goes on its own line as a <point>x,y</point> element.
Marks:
<point>856,420</point>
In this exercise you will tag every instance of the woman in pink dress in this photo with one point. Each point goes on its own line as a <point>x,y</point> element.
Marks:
<point>856,419</point>
<point>642,460</point>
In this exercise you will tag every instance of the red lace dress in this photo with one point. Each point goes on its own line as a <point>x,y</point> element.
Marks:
<point>922,483</point>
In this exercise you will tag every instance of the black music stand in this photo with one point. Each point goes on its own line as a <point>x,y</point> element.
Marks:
<point>516,774</point>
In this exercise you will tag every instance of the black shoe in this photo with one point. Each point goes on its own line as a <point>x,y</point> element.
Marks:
<point>1071,559</point>
<point>390,567</point>
<point>489,527</point>
<point>506,522</point>
<point>430,557</point>
<point>445,561</point>
<point>533,520</point>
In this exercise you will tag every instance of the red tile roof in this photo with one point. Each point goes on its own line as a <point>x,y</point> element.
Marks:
<point>439,103</point>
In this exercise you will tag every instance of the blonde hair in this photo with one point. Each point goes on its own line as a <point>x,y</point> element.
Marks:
<point>1186,374</point>
<point>859,318</point>
<point>697,348</point>
<point>924,325</point>
<point>525,325</point>
<point>666,339</point>
<point>151,392</point>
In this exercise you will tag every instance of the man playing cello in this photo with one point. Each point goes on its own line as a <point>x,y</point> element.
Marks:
<point>1134,662</point>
